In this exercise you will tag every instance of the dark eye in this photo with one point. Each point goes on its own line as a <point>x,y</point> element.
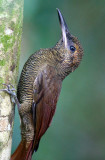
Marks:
<point>72,48</point>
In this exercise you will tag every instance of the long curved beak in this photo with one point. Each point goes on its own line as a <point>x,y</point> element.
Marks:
<point>64,27</point>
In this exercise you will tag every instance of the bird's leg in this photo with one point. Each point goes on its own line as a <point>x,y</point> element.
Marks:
<point>11,92</point>
<point>27,128</point>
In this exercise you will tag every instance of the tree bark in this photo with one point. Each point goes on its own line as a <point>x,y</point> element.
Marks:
<point>11,18</point>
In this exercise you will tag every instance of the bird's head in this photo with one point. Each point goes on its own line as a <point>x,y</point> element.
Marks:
<point>70,47</point>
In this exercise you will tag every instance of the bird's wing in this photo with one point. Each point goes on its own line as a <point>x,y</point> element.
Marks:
<point>46,91</point>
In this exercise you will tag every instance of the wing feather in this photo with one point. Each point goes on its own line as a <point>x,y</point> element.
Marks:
<point>46,91</point>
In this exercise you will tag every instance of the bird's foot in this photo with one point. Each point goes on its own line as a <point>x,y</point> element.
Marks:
<point>11,91</point>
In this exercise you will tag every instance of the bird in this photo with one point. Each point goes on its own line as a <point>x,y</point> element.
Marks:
<point>39,88</point>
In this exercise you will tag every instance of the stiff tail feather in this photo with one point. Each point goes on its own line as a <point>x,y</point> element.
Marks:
<point>23,151</point>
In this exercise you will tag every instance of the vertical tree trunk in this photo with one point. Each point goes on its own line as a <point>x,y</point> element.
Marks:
<point>11,17</point>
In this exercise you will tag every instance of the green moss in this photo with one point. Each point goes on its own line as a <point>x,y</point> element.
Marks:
<point>2,27</point>
<point>11,43</point>
<point>2,62</point>
<point>6,40</point>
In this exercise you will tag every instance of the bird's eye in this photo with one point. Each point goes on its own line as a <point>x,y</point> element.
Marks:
<point>72,48</point>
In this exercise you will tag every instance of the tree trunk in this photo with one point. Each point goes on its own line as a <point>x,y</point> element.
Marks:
<point>11,18</point>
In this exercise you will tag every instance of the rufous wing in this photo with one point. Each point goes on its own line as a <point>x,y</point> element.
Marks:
<point>46,91</point>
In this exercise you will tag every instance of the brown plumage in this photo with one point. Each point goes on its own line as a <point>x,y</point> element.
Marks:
<point>39,88</point>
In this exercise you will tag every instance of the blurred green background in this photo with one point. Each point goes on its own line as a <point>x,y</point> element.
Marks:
<point>78,127</point>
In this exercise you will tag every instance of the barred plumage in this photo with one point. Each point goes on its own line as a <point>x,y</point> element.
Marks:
<point>39,88</point>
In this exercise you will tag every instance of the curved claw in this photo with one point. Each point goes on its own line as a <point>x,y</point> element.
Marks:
<point>10,85</point>
<point>11,92</point>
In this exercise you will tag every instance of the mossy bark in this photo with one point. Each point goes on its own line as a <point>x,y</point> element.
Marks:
<point>11,18</point>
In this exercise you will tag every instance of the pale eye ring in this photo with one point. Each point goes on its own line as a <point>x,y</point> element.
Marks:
<point>72,48</point>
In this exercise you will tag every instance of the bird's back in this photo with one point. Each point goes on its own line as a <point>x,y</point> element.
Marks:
<point>32,67</point>
<point>28,75</point>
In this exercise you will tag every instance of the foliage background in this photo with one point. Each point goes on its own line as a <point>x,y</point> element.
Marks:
<point>78,127</point>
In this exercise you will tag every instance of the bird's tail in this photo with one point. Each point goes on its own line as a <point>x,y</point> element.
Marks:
<point>23,151</point>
